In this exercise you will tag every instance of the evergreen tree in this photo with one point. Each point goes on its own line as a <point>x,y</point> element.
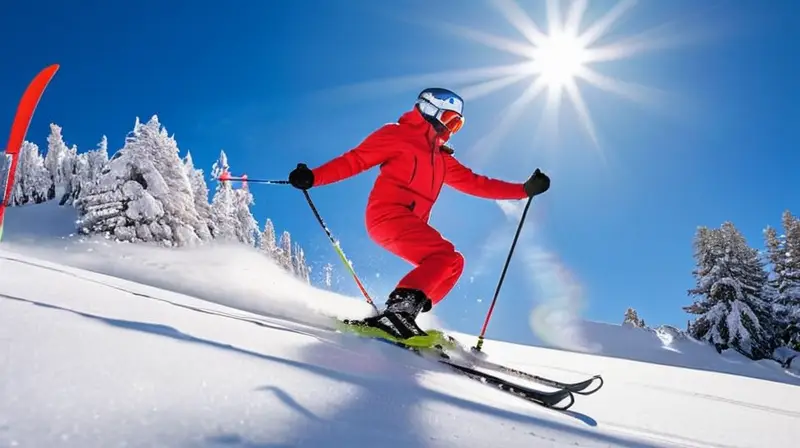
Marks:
<point>301,269</point>
<point>88,167</point>
<point>267,243</point>
<point>143,194</point>
<point>80,176</point>
<point>230,208</point>
<point>147,193</point>
<point>32,182</point>
<point>58,164</point>
<point>285,252</point>
<point>70,166</point>
<point>730,281</point>
<point>199,191</point>
<point>247,226</point>
<point>223,224</point>
<point>783,252</point>
<point>632,319</point>
<point>98,158</point>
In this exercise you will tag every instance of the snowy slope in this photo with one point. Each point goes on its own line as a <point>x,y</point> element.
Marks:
<point>124,345</point>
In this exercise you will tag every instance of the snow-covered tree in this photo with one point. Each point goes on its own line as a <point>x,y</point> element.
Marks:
<point>143,193</point>
<point>224,223</point>
<point>267,241</point>
<point>88,167</point>
<point>5,175</point>
<point>299,266</point>
<point>59,162</point>
<point>783,252</point>
<point>231,217</point>
<point>70,168</point>
<point>284,258</point>
<point>632,319</point>
<point>98,158</point>
<point>730,281</point>
<point>147,193</point>
<point>32,182</point>
<point>122,205</point>
<point>199,190</point>
<point>247,226</point>
<point>286,254</point>
<point>80,176</point>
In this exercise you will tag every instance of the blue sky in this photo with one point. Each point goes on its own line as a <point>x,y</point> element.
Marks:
<point>280,82</point>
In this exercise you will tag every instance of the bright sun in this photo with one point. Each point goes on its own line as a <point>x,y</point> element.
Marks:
<point>559,59</point>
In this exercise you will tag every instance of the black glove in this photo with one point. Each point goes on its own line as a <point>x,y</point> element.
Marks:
<point>538,183</point>
<point>301,177</point>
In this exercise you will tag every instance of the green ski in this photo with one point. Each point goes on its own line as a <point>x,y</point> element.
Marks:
<point>433,338</point>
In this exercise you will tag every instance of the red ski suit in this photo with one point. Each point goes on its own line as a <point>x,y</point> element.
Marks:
<point>413,167</point>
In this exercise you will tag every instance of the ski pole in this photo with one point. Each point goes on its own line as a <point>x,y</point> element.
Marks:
<point>479,345</point>
<point>338,250</point>
<point>334,243</point>
<point>225,177</point>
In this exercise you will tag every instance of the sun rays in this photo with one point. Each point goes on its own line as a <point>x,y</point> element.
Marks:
<point>556,61</point>
<point>557,58</point>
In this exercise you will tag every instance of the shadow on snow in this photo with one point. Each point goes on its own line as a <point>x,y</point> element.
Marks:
<point>369,409</point>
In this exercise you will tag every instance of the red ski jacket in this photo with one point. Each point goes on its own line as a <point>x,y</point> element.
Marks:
<point>414,166</point>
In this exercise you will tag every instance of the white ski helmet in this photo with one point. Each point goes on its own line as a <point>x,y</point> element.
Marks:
<point>443,108</point>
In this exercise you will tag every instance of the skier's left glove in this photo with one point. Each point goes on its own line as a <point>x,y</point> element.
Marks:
<point>301,177</point>
<point>538,183</point>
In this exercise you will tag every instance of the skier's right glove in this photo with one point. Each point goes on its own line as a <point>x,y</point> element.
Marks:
<point>301,177</point>
<point>538,183</point>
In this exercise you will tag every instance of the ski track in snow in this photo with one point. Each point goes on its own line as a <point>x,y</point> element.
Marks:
<point>108,345</point>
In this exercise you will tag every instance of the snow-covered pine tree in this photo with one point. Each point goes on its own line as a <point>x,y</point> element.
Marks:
<point>32,181</point>
<point>301,269</point>
<point>285,252</point>
<point>783,252</point>
<point>98,157</point>
<point>179,200</point>
<point>267,241</point>
<point>790,291</point>
<point>58,164</point>
<point>80,176</point>
<point>70,169</point>
<point>144,193</point>
<point>223,205</point>
<point>88,167</point>
<point>199,190</point>
<point>730,280</point>
<point>247,226</point>
<point>631,319</point>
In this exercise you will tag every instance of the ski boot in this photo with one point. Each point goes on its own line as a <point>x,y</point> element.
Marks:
<point>398,318</point>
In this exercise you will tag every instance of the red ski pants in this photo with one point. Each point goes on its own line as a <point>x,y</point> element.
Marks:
<point>437,264</point>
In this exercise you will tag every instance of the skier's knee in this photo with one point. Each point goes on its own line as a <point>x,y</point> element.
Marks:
<point>453,258</point>
<point>455,262</point>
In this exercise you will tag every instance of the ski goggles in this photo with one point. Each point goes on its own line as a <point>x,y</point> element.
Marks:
<point>451,119</point>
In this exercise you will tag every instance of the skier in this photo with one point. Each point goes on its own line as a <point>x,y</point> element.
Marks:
<point>414,164</point>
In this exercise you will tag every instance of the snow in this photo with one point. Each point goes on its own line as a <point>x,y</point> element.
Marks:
<point>118,344</point>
